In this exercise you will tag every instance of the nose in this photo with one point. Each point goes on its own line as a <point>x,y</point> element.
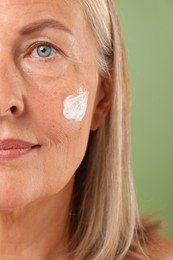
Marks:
<point>11,107</point>
<point>11,97</point>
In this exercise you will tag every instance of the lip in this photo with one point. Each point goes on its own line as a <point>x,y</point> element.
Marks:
<point>14,148</point>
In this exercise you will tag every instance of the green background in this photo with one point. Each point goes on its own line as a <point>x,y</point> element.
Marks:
<point>148,33</point>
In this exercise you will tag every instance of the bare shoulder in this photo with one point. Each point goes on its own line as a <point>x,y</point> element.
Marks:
<point>161,249</point>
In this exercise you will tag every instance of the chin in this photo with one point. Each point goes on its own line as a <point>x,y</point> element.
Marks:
<point>14,194</point>
<point>9,203</point>
<point>13,199</point>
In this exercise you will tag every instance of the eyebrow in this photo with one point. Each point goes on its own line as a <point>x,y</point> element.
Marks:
<point>42,24</point>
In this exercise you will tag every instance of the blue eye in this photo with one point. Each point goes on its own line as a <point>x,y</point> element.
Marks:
<point>44,51</point>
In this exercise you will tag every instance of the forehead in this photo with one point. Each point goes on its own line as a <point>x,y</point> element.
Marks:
<point>38,4</point>
<point>20,12</point>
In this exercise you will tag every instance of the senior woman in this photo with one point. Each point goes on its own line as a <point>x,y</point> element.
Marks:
<point>65,186</point>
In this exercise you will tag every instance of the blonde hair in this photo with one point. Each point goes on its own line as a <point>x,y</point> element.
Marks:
<point>104,219</point>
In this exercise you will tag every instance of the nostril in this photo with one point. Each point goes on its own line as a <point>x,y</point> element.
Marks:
<point>16,108</point>
<point>13,109</point>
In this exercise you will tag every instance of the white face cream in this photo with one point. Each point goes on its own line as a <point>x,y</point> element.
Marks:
<point>75,105</point>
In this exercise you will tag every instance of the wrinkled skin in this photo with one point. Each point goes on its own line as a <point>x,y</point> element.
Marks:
<point>36,188</point>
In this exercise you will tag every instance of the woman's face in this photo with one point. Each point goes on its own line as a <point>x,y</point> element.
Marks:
<point>48,77</point>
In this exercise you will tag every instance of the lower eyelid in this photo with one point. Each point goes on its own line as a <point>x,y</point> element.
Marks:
<point>35,57</point>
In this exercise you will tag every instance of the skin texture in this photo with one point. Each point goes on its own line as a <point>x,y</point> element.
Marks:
<point>36,188</point>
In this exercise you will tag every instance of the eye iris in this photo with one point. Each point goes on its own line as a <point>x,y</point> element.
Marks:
<point>44,51</point>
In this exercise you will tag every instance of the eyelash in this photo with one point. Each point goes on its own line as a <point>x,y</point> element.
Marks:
<point>42,43</point>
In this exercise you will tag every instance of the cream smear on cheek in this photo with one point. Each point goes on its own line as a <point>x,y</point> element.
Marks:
<point>75,105</point>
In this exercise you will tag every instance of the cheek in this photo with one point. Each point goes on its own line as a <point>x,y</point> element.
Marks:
<point>56,112</point>
<point>63,138</point>
<point>63,135</point>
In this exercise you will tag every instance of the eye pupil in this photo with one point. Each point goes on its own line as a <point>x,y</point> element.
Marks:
<point>44,51</point>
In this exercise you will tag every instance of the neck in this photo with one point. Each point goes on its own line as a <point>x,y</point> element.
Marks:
<point>37,231</point>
